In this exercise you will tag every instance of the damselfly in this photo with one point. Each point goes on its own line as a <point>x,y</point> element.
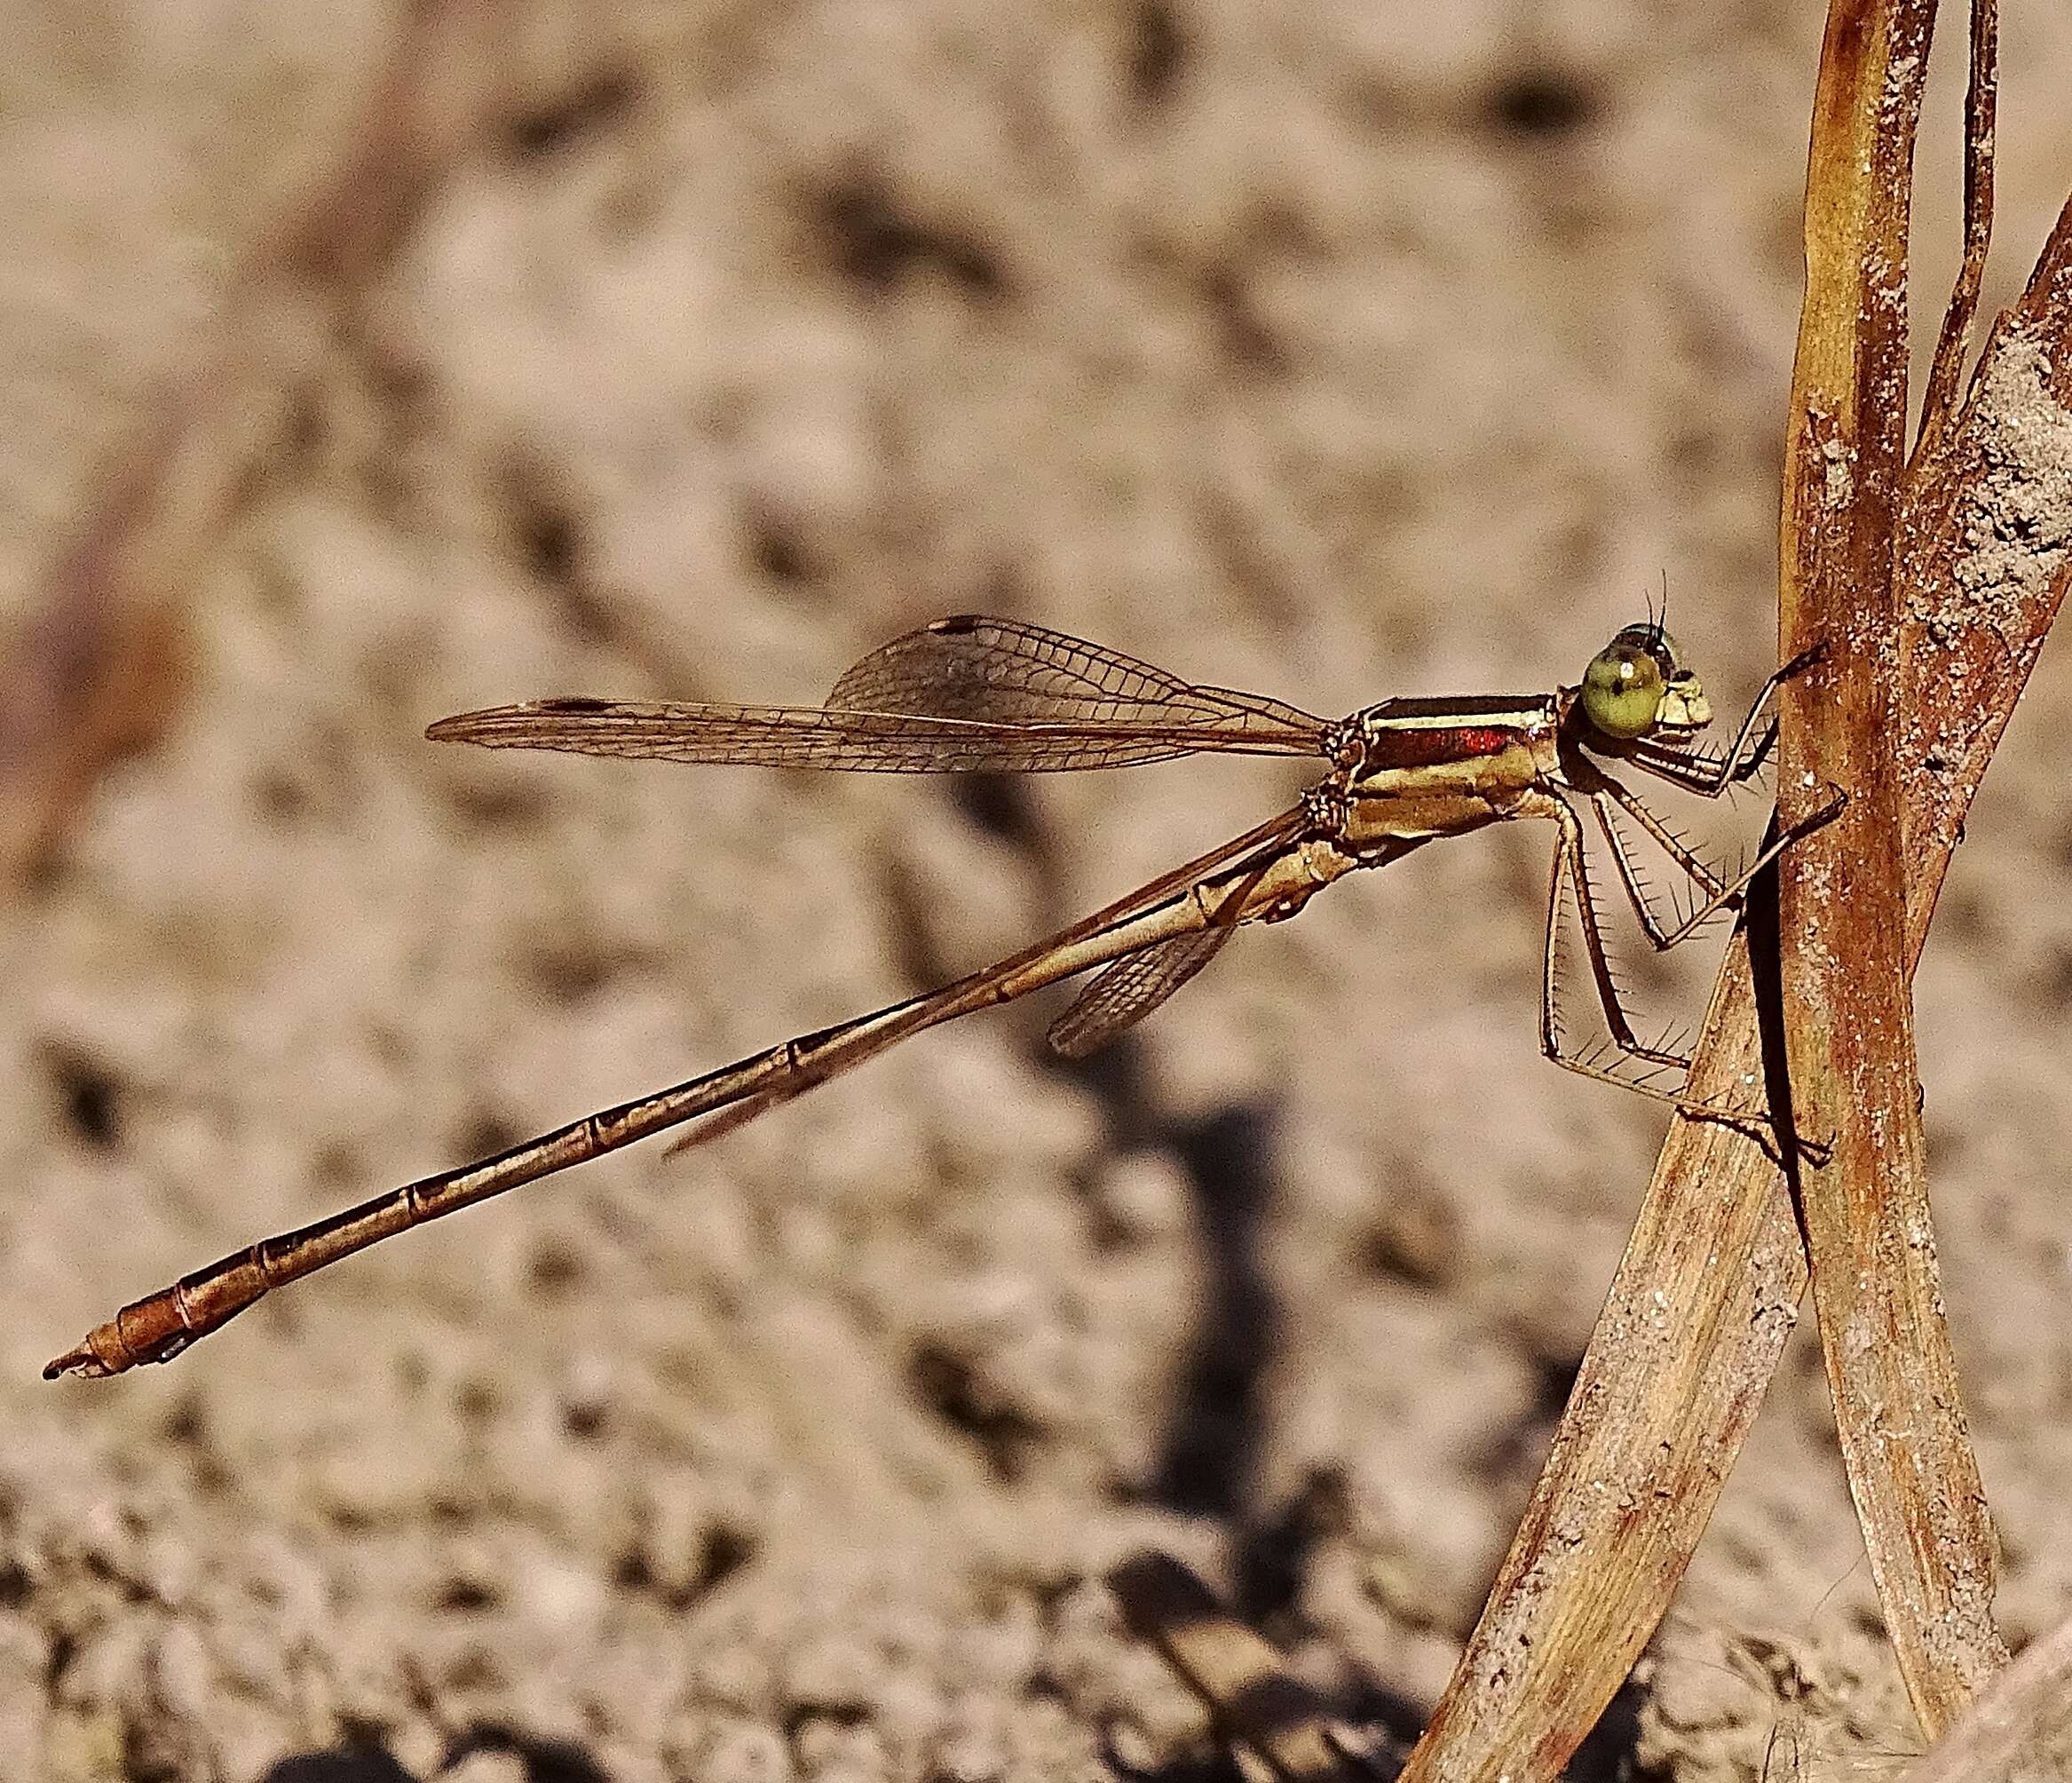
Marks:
<point>970,694</point>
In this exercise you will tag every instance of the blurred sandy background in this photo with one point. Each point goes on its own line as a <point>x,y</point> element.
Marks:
<point>1336,349</point>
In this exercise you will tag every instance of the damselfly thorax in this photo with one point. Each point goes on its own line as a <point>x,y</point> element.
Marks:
<point>969,695</point>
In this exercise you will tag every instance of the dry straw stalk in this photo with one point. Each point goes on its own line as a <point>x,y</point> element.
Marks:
<point>1932,584</point>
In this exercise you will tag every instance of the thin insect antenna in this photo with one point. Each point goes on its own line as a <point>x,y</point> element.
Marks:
<point>1662,617</point>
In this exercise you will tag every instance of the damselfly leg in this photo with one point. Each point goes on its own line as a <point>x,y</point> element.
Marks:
<point>1571,872</point>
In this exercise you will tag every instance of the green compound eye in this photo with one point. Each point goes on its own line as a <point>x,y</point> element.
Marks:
<point>1622,691</point>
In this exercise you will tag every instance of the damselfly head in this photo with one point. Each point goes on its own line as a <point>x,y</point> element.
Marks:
<point>1638,685</point>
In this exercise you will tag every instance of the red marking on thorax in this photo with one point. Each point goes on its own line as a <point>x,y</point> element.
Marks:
<point>1424,749</point>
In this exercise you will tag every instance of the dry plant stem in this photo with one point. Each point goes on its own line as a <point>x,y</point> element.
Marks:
<point>1848,1003</point>
<point>1706,1293</point>
<point>94,668</point>
<point>1690,1333</point>
<point>2018,1730</point>
<point>1236,1675</point>
<point>1985,558</point>
<point>1980,102</point>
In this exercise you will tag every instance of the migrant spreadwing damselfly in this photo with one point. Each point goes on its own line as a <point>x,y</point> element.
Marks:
<point>970,694</point>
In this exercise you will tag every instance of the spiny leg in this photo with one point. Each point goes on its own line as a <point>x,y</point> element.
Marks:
<point>1714,889</point>
<point>1571,871</point>
<point>1605,801</point>
<point>1711,777</point>
<point>1706,776</point>
<point>1719,893</point>
<point>1569,868</point>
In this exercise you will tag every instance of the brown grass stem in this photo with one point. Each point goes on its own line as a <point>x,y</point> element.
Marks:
<point>1978,554</point>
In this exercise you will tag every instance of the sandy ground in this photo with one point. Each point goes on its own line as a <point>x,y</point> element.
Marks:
<point>1338,351</point>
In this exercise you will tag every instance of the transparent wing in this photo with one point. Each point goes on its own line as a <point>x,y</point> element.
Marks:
<point>806,736</point>
<point>1125,993</point>
<point>1002,671</point>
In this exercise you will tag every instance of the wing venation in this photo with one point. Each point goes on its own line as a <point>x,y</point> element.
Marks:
<point>1005,672</point>
<point>1124,994</point>
<point>961,696</point>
